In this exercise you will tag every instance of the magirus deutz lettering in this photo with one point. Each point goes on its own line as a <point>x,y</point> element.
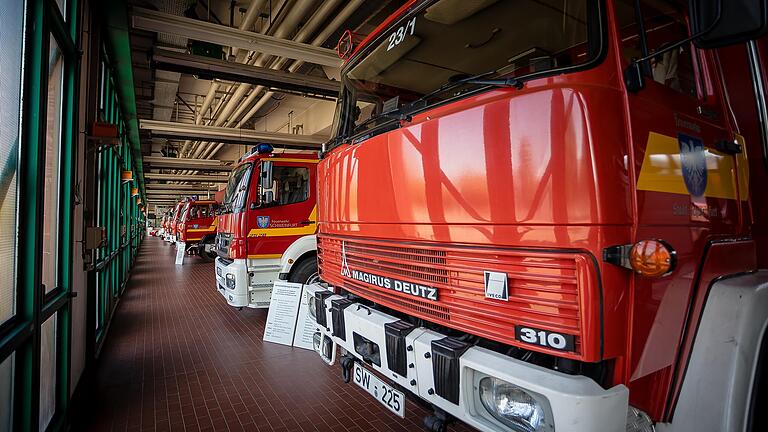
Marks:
<point>427,292</point>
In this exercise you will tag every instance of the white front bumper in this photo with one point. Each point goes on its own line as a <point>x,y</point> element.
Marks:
<point>577,403</point>
<point>253,281</point>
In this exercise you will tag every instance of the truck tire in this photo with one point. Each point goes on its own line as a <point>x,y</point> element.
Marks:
<point>206,255</point>
<point>305,271</point>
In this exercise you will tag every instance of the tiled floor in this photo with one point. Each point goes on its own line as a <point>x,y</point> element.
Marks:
<point>178,358</point>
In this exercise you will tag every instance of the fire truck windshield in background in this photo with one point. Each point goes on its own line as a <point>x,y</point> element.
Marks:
<point>453,39</point>
<point>237,189</point>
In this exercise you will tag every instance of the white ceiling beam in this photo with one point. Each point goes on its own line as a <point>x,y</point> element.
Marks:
<point>186,177</point>
<point>160,22</point>
<point>231,135</point>
<point>179,192</point>
<point>185,163</point>
<point>178,187</point>
<point>276,80</point>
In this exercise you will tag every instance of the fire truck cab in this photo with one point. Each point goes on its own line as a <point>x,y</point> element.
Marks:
<point>198,219</point>
<point>266,226</point>
<point>173,219</point>
<point>551,216</point>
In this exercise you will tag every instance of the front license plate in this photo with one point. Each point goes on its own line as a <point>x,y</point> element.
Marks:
<point>393,399</point>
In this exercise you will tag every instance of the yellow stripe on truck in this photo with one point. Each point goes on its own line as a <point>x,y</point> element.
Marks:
<point>662,169</point>
<point>265,256</point>
<point>284,232</point>
<point>210,229</point>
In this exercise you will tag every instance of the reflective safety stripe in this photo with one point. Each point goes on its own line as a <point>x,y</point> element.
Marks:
<point>209,229</point>
<point>293,231</point>
<point>264,256</point>
<point>662,169</point>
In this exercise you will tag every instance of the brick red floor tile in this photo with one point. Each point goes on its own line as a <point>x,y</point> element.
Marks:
<point>178,358</point>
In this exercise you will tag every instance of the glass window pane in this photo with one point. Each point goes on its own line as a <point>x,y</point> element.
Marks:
<point>292,184</point>
<point>62,7</point>
<point>11,45</point>
<point>665,23</point>
<point>52,152</point>
<point>6,393</point>
<point>48,371</point>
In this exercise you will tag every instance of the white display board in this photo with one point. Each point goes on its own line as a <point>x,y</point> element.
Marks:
<point>181,250</point>
<point>287,322</point>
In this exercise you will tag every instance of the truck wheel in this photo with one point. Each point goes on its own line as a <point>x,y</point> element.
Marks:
<point>206,253</point>
<point>305,271</point>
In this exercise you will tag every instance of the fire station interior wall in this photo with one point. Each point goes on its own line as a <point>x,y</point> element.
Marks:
<point>62,182</point>
<point>315,116</point>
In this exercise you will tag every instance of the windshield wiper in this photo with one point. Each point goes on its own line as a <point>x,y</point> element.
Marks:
<point>474,79</point>
<point>401,115</point>
<point>390,115</point>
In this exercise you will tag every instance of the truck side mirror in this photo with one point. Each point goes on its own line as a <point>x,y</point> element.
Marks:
<point>633,77</point>
<point>719,23</point>
<point>266,175</point>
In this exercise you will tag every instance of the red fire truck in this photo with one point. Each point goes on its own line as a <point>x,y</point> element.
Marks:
<point>198,219</point>
<point>163,223</point>
<point>266,226</point>
<point>550,215</point>
<point>173,218</point>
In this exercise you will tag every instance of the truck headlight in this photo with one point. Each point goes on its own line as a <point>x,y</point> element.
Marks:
<point>638,421</point>
<point>513,406</point>
<point>230,280</point>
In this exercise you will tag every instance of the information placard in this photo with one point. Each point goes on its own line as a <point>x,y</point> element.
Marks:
<point>181,250</point>
<point>283,310</point>
<point>287,319</point>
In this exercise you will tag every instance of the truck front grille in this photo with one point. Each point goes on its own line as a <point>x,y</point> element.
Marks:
<point>547,290</point>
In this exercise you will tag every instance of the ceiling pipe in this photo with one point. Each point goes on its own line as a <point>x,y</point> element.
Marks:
<point>248,19</point>
<point>289,24</point>
<point>197,147</point>
<point>310,27</point>
<point>318,40</point>
<point>340,18</point>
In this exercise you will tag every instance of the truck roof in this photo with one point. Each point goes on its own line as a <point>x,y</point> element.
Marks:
<point>383,26</point>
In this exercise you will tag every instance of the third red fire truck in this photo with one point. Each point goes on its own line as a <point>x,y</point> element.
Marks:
<point>198,219</point>
<point>541,215</point>
<point>173,219</point>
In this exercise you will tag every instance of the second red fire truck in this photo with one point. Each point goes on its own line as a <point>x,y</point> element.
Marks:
<point>266,226</point>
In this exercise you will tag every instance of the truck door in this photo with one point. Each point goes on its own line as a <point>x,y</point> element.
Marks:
<point>292,211</point>
<point>686,189</point>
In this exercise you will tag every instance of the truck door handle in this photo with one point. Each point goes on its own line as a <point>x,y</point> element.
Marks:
<point>306,222</point>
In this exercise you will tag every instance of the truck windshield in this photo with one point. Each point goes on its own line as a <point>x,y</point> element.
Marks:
<point>184,213</point>
<point>237,188</point>
<point>446,41</point>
